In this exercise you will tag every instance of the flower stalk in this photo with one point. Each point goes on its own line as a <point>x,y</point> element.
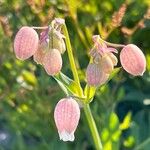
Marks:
<point>113,44</point>
<point>47,51</point>
<point>87,110</point>
<point>40,28</point>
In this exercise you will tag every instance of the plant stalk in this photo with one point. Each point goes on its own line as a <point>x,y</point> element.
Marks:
<point>93,128</point>
<point>113,44</point>
<point>40,28</point>
<point>87,111</point>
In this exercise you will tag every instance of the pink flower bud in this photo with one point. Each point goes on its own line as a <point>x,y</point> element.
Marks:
<point>25,43</point>
<point>39,56</point>
<point>95,76</point>
<point>67,115</point>
<point>106,64</point>
<point>53,39</point>
<point>43,47</point>
<point>133,60</point>
<point>52,62</point>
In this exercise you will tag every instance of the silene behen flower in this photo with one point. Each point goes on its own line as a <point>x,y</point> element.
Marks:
<point>51,46</point>
<point>133,60</point>
<point>67,115</point>
<point>45,50</point>
<point>103,61</point>
<point>25,43</point>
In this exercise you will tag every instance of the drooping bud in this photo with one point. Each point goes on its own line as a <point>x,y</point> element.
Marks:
<point>43,47</point>
<point>52,62</point>
<point>107,64</point>
<point>52,39</point>
<point>39,55</point>
<point>44,39</point>
<point>95,75</point>
<point>67,115</point>
<point>25,43</point>
<point>133,60</point>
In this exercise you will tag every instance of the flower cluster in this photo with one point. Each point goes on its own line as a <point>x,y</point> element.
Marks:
<point>45,50</point>
<point>67,115</point>
<point>104,61</point>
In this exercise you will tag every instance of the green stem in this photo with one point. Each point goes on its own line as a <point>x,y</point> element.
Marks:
<point>71,59</point>
<point>93,127</point>
<point>86,107</point>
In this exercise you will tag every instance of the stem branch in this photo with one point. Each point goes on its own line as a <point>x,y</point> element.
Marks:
<point>113,44</point>
<point>40,28</point>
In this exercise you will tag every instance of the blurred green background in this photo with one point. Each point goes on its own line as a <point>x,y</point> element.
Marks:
<point>28,95</point>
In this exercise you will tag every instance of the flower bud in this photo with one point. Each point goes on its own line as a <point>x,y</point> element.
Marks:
<point>95,76</point>
<point>43,47</point>
<point>52,62</point>
<point>67,115</point>
<point>56,41</point>
<point>39,56</point>
<point>25,43</point>
<point>106,64</point>
<point>44,39</point>
<point>133,60</point>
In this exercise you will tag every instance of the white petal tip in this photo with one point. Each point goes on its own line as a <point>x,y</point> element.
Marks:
<point>65,136</point>
<point>141,74</point>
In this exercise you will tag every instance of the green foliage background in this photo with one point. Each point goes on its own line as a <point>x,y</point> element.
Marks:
<point>28,95</point>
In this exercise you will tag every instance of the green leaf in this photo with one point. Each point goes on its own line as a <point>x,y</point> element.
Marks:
<point>116,135</point>
<point>105,135</point>
<point>113,122</point>
<point>67,84</point>
<point>129,142</point>
<point>62,86</point>
<point>126,122</point>
<point>108,145</point>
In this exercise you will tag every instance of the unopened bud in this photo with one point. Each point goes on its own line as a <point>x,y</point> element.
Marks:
<point>52,62</point>
<point>67,115</point>
<point>133,60</point>
<point>95,75</point>
<point>26,43</point>
<point>39,56</point>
